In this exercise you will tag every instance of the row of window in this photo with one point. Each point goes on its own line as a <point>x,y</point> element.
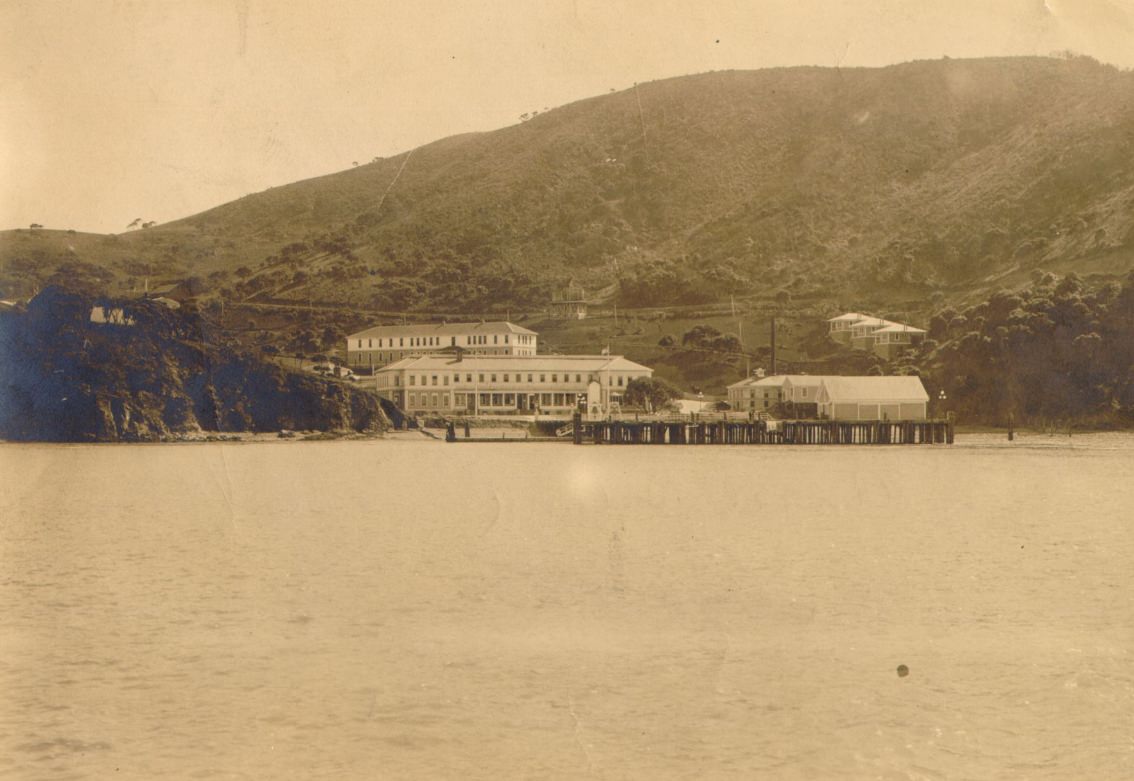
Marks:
<point>384,358</point>
<point>437,341</point>
<point>427,379</point>
<point>473,401</point>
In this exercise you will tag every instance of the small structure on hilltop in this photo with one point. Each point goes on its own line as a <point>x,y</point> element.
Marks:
<point>570,304</point>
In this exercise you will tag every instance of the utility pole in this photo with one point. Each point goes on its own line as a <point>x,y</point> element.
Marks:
<point>773,346</point>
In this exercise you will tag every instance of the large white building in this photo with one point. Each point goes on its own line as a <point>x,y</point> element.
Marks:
<point>386,344</point>
<point>550,384</point>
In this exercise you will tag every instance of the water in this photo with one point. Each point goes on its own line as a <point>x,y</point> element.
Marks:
<point>403,609</point>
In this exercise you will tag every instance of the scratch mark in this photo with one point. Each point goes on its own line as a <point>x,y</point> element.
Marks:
<point>242,25</point>
<point>229,492</point>
<point>577,733</point>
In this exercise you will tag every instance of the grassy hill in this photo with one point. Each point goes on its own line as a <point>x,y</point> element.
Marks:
<point>880,185</point>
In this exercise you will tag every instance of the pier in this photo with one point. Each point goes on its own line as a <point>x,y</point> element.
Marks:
<point>763,432</point>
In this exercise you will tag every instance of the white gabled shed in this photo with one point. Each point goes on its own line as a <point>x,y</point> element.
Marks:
<point>873,398</point>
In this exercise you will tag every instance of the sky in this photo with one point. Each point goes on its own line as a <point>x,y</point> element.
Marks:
<point>112,110</point>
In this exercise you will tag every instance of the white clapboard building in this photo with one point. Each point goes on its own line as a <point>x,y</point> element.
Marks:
<point>508,383</point>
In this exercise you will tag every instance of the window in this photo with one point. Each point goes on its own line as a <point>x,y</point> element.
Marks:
<point>543,378</point>
<point>369,342</point>
<point>434,379</point>
<point>457,378</point>
<point>495,339</point>
<point>505,378</point>
<point>578,378</point>
<point>555,378</point>
<point>446,379</point>
<point>401,341</point>
<point>412,379</point>
<point>468,378</point>
<point>481,376</point>
<point>529,378</point>
<point>505,338</point>
<point>620,381</point>
<point>452,341</point>
<point>494,378</point>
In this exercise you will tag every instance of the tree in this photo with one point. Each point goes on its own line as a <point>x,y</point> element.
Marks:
<point>652,393</point>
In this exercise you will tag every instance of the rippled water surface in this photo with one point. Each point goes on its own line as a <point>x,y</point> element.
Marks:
<point>403,609</point>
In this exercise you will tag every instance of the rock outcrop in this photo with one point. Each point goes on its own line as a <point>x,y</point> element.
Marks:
<point>156,374</point>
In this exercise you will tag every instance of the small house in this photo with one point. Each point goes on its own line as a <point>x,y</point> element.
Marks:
<point>839,328</point>
<point>895,338</point>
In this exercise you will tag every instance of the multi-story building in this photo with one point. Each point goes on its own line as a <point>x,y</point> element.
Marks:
<point>756,394</point>
<point>760,394</point>
<point>550,384</point>
<point>386,344</point>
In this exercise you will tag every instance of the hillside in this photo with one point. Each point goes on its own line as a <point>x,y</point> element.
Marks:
<point>156,374</point>
<point>887,184</point>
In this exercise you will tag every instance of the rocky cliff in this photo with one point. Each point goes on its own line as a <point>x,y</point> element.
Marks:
<point>77,368</point>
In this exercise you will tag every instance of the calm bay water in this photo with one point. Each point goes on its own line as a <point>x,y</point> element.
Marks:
<point>404,609</point>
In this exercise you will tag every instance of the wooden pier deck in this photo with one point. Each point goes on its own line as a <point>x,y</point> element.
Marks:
<point>698,431</point>
<point>761,432</point>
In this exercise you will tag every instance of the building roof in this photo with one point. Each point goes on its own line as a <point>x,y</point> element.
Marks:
<point>803,380</point>
<point>442,329</point>
<point>583,363</point>
<point>776,380</point>
<point>848,317</point>
<point>898,328</point>
<point>905,388</point>
<point>870,322</point>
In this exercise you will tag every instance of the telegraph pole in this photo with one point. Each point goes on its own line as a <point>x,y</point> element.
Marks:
<point>773,346</point>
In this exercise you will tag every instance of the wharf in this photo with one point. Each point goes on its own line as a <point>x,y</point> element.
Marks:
<point>763,432</point>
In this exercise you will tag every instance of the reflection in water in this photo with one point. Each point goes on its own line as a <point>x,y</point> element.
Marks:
<point>406,610</point>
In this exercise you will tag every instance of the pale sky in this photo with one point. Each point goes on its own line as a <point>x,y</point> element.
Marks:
<point>116,109</point>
